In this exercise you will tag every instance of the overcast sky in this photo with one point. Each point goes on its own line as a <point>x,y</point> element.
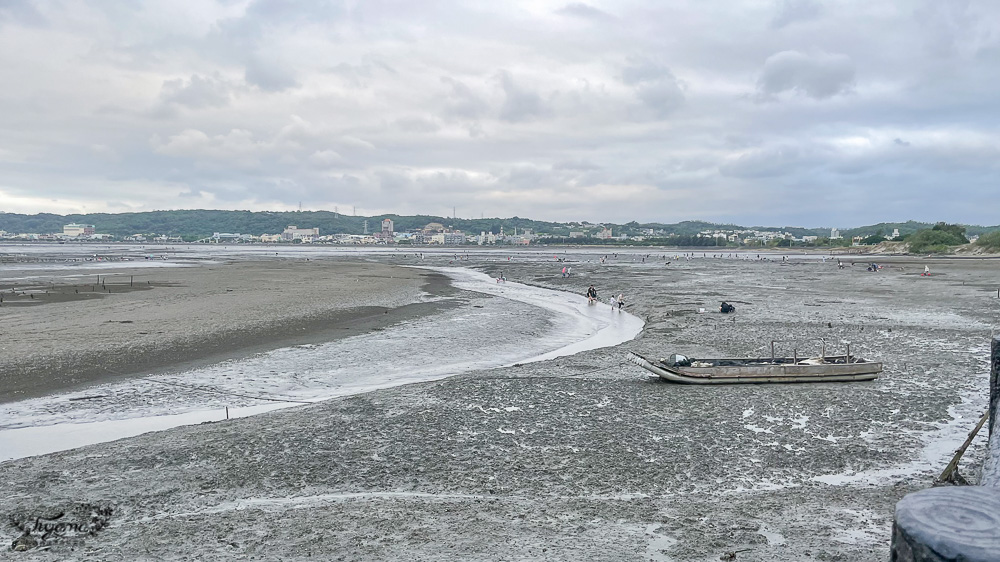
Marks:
<point>774,112</point>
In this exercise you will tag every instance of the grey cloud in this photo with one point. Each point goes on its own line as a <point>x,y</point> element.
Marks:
<point>763,163</point>
<point>393,182</point>
<point>641,69</point>
<point>524,175</point>
<point>579,165</point>
<point>362,75</point>
<point>416,125</point>
<point>345,106</point>
<point>654,85</point>
<point>791,11</point>
<point>585,11</point>
<point>476,130</point>
<point>817,76</point>
<point>520,104</point>
<point>290,11</point>
<point>461,101</point>
<point>270,76</point>
<point>22,12</point>
<point>249,38</point>
<point>946,25</point>
<point>358,76</point>
<point>663,97</point>
<point>196,92</point>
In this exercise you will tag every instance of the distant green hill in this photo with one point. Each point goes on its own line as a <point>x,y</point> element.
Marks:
<point>196,224</point>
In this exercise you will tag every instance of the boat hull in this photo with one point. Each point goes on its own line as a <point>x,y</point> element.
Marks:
<point>777,373</point>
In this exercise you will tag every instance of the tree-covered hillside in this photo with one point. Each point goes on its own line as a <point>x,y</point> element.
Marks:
<point>195,224</point>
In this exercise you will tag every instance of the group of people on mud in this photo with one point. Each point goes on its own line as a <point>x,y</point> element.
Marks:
<point>617,303</point>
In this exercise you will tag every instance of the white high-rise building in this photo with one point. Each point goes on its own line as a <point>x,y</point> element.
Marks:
<point>74,229</point>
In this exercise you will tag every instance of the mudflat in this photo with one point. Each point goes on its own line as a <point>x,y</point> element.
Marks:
<point>58,334</point>
<point>581,457</point>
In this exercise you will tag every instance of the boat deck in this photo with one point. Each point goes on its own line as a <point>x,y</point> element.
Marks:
<point>754,371</point>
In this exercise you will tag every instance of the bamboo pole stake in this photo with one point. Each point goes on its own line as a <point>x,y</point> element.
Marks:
<point>952,467</point>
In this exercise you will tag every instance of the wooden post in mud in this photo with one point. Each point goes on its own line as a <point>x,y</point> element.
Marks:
<point>994,382</point>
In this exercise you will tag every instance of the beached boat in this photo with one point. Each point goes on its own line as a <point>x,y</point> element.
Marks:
<point>834,368</point>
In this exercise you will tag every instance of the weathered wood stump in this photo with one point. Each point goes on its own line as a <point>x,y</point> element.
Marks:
<point>948,524</point>
<point>994,382</point>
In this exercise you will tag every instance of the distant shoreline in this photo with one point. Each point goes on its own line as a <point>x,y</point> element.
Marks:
<point>405,248</point>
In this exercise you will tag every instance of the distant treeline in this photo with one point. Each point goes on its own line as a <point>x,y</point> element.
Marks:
<point>197,224</point>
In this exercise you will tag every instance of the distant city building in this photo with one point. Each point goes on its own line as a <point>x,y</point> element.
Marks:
<point>895,234</point>
<point>433,228</point>
<point>604,234</point>
<point>577,234</point>
<point>270,238</point>
<point>295,233</point>
<point>386,235</point>
<point>74,229</point>
<point>834,234</point>
<point>448,238</point>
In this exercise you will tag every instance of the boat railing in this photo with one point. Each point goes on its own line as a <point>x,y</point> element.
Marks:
<point>795,351</point>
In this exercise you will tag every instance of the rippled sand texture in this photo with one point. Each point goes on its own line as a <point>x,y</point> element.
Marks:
<point>582,457</point>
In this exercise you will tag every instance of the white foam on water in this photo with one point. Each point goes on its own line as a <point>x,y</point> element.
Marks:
<point>600,324</point>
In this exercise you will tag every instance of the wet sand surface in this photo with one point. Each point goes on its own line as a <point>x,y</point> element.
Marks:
<point>581,457</point>
<point>136,322</point>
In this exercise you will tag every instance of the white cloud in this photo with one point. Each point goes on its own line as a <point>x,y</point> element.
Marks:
<point>325,158</point>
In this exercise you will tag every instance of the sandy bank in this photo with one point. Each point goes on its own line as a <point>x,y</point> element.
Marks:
<point>181,317</point>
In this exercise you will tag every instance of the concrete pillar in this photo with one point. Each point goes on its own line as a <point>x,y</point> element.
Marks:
<point>948,524</point>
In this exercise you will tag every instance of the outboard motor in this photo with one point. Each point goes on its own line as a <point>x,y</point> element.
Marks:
<point>676,360</point>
